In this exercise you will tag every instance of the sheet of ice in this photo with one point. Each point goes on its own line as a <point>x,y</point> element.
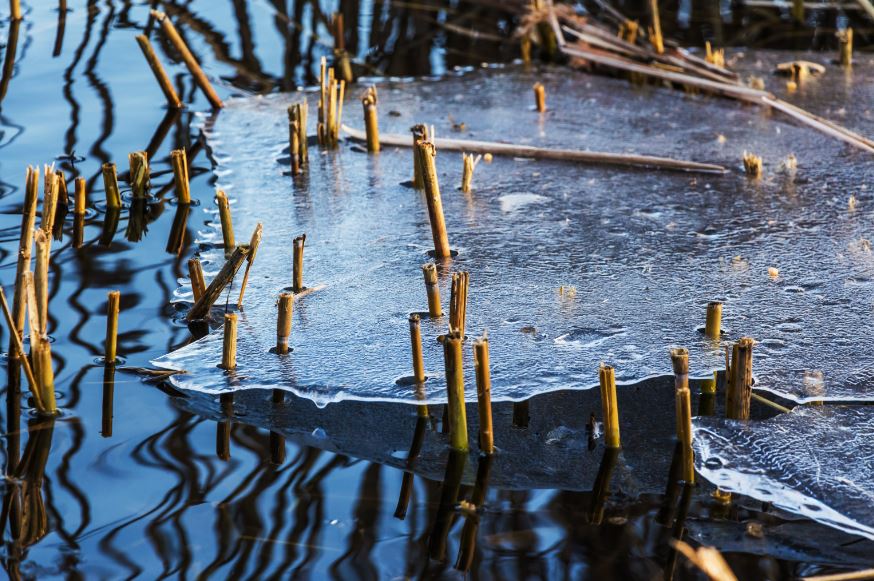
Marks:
<point>643,251</point>
<point>816,461</point>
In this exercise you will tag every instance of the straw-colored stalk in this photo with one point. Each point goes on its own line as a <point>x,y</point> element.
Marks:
<point>680,364</point>
<point>25,249</point>
<point>298,113</point>
<point>655,32</point>
<point>214,290</point>
<point>254,243</point>
<point>113,302</point>
<point>179,161</point>
<point>371,119</point>
<point>455,391</point>
<point>433,290</point>
<point>484,393</point>
<point>195,273</point>
<point>49,200</point>
<point>283,322</point>
<point>458,302</point>
<point>294,146</point>
<point>609,406</point>
<point>110,185</point>
<point>427,155</point>
<point>224,207</point>
<point>193,67</point>
<point>539,97</point>
<point>470,162</point>
<point>81,196</point>
<point>15,9</point>
<point>330,106</point>
<point>160,74</point>
<point>41,279</point>
<point>740,380</point>
<point>713,322</point>
<point>41,355</point>
<point>845,42</point>
<point>629,30</point>
<point>420,133</point>
<point>139,174</point>
<point>229,342</point>
<point>416,347</point>
<point>297,263</point>
<point>714,57</point>
<point>18,349</point>
<point>752,165</point>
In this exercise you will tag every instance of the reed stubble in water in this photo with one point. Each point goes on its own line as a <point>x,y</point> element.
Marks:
<point>113,303</point>
<point>331,97</point>
<point>81,197</point>
<point>297,138</point>
<point>283,322</point>
<point>752,164</point>
<point>371,119</point>
<point>160,74</point>
<point>713,322</point>
<point>254,243</point>
<point>452,357</point>
<point>41,279</point>
<point>110,186</point>
<point>222,279</point>
<point>609,406</point>
<point>469,163</point>
<point>179,161</point>
<point>195,273</point>
<point>427,154</point>
<point>539,97</point>
<point>484,394</point>
<point>224,207</point>
<point>25,250</point>
<point>680,364</point>
<point>416,347</point>
<point>139,174</point>
<point>845,44</point>
<point>18,349</point>
<point>739,388</point>
<point>420,133</point>
<point>297,263</point>
<point>229,343</point>
<point>433,290</point>
<point>458,302</point>
<point>49,200</point>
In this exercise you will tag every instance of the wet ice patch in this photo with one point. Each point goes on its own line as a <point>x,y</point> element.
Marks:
<point>514,202</point>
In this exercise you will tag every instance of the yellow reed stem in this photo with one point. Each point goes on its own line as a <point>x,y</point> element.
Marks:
<point>845,41</point>
<point>139,174</point>
<point>371,119</point>
<point>740,381</point>
<point>539,97</point>
<point>427,156</point>
<point>229,342</point>
<point>160,74</point>
<point>656,31</point>
<point>297,263</point>
<point>195,273</point>
<point>680,364</point>
<point>18,349</point>
<point>41,354</point>
<point>81,196</point>
<point>433,290</point>
<point>25,250</point>
<point>416,346</point>
<point>484,394</point>
<point>113,303</point>
<point>49,200</point>
<point>609,406</point>
<point>224,207</point>
<point>110,185</point>
<point>420,133</point>
<point>283,322</point>
<point>455,391</point>
<point>41,279</point>
<point>713,323</point>
<point>222,279</point>
<point>179,161</point>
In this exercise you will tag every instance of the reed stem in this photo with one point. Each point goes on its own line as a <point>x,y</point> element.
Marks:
<point>484,394</point>
<point>214,290</point>
<point>110,185</point>
<point>845,42</point>
<point>469,164</point>
<point>433,290</point>
<point>298,113</point>
<point>41,354</point>
<point>41,279</point>
<point>193,67</point>
<point>297,263</point>
<point>427,155</point>
<point>195,273</point>
<point>455,391</point>
<point>416,346</point>
<point>713,323</point>
<point>740,380</point>
<point>224,207</point>
<point>283,322</point>
<point>179,161</point>
<point>139,174</point>
<point>458,302</point>
<point>229,343</point>
<point>752,165</point>
<point>294,146</point>
<point>420,133</point>
<point>609,406</point>
<point>680,364</point>
<point>18,349</point>
<point>539,97</point>
<point>656,30</point>
<point>49,200</point>
<point>112,307</point>
<point>25,250</point>
<point>160,74</point>
<point>81,196</point>
<point>371,119</point>
<point>15,10</point>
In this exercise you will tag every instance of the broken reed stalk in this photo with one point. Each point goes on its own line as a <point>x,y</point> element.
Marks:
<point>680,364</point>
<point>297,263</point>
<point>371,119</point>
<point>539,97</point>
<point>416,346</point>
<point>224,207</point>
<point>330,106</point>
<point>845,42</point>
<point>452,357</point>
<point>609,406</point>
<point>49,200</point>
<point>41,279</point>
<point>427,155</point>
<point>294,146</point>
<point>752,164</point>
<point>739,386</point>
<point>283,322</point>
<point>469,164</point>
<point>214,290</point>
<point>656,31</point>
<point>160,74</point>
<point>179,161</point>
<point>18,349</point>
<point>713,323</point>
<point>484,394</point>
<point>229,343</point>
<point>433,290</point>
<point>25,249</point>
<point>139,174</point>
<point>110,185</point>
<point>193,67</point>
<point>254,243</point>
<point>420,133</point>
<point>41,356</point>
<point>81,196</point>
<point>297,113</point>
<point>458,302</point>
<point>195,273</point>
<point>113,302</point>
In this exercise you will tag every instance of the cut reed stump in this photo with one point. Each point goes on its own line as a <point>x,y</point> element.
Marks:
<point>179,161</point>
<point>229,343</point>
<point>41,279</point>
<point>139,174</point>
<point>283,323</point>
<point>297,115</point>
<point>160,74</point>
<point>110,185</point>
<point>193,67</point>
<point>81,197</point>
<point>845,42</point>
<point>224,207</point>
<point>214,290</point>
<point>427,155</point>
<point>18,349</point>
<point>41,356</point>
<point>539,97</point>
<point>740,380</point>
<point>195,273</point>
<point>371,119</point>
<point>111,346</point>
<point>452,356</point>
<point>50,200</point>
<point>680,364</point>
<point>458,302</point>
<point>752,165</point>
<point>420,133</point>
<point>433,290</point>
<point>297,263</point>
<point>25,250</point>
<point>484,394</point>
<point>469,164</point>
<point>254,243</point>
<point>416,347</point>
<point>609,406</point>
<point>294,146</point>
<point>713,322</point>
<point>331,96</point>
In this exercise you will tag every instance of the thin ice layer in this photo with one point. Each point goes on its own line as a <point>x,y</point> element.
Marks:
<point>816,461</point>
<point>641,251</point>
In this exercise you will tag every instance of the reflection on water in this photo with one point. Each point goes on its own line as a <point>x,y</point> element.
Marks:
<point>126,481</point>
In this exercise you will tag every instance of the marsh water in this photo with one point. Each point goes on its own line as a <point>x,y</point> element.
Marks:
<point>136,478</point>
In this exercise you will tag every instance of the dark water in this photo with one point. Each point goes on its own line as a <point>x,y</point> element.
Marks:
<point>132,481</point>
